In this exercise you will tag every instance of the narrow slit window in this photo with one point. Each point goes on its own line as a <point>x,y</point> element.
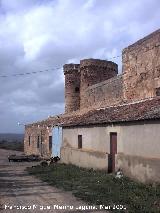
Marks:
<point>79,141</point>
<point>50,142</point>
<point>29,140</point>
<point>158,91</point>
<point>77,89</point>
<point>38,141</point>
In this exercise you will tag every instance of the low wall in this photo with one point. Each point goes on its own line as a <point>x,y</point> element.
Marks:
<point>139,168</point>
<point>84,158</point>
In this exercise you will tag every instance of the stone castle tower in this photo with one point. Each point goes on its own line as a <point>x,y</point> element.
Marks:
<point>79,77</point>
<point>72,87</point>
<point>94,71</point>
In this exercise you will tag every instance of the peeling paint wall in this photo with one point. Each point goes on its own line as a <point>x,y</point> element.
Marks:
<point>138,148</point>
<point>140,168</point>
<point>84,158</point>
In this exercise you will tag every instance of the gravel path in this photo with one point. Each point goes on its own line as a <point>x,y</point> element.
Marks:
<point>19,191</point>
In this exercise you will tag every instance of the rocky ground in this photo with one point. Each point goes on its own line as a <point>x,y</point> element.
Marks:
<point>20,192</point>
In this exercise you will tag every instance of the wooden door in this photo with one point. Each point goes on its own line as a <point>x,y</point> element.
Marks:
<point>113,151</point>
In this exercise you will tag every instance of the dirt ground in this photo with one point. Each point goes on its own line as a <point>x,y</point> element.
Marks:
<point>20,192</point>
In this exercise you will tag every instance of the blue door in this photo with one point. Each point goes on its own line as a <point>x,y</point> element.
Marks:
<point>56,140</point>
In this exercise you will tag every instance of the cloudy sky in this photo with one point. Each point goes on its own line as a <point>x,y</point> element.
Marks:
<point>45,34</point>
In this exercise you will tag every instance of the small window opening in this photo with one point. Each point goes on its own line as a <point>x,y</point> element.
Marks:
<point>158,91</point>
<point>79,141</point>
<point>77,89</point>
<point>38,141</point>
<point>29,140</point>
<point>50,142</point>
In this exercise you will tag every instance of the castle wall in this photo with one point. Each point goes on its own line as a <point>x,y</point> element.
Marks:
<point>106,93</point>
<point>84,87</point>
<point>141,68</point>
<point>94,71</point>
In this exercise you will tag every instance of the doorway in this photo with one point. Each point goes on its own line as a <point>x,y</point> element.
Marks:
<point>113,152</point>
<point>56,140</point>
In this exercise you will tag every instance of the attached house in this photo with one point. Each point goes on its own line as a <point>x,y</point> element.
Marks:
<point>111,120</point>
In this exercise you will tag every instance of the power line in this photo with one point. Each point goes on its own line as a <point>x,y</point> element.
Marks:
<point>117,56</point>
<point>29,73</point>
<point>42,71</point>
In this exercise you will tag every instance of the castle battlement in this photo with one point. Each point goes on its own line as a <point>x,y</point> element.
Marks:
<point>79,77</point>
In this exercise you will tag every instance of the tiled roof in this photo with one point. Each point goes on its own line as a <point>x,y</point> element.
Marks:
<point>143,110</point>
<point>135,111</point>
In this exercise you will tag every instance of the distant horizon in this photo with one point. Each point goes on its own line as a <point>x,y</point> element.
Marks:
<point>10,133</point>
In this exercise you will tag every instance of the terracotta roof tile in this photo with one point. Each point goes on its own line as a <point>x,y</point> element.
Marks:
<point>141,110</point>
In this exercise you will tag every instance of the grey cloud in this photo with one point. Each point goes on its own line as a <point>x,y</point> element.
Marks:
<point>44,34</point>
<point>16,5</point>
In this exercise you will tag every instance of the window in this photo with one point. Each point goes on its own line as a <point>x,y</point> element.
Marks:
<point>38,142</point>
<point>79,141</point>
<point>42,138</point>
<point>29,140</point>
<point>158,91</point>
<point>50,142</point>
<point>77,89</point>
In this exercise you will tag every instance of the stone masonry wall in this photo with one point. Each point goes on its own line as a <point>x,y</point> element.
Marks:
<point>141,68</point>
<point>72,87</point>
<point>94,71</point>
<point>33,148</point>
<point>106,93</point>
